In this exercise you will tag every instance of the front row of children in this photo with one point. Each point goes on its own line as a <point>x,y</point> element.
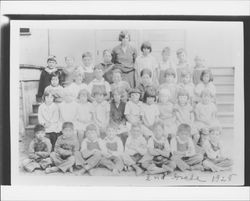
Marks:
<point>157,154</point>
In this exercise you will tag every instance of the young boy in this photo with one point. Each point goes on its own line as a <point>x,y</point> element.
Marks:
<point>99,82</point>
<point>135,149</point>
<point>182,62</point>
<point>66,152</point>
<point>198,68</point>
<point>68,71</point>
<point>183,150</point>
<point>158,159</point>
<point>87,69</point>
<point>45,78</point>
<point>39,151</point>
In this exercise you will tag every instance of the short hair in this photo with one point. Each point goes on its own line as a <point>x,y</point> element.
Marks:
<point>99,90</point>
<point>123,34</point>
<point>83,92</point>
<point>209,72</point>
<point>182,92</point>
<point>86,54</point>
<point>116,70</point>
<point>206,92</point>
<point>166,49</point>
<point>181,50</point>
<point>184,127</point>
<point>146,45</point>
<point>134,90</point>
<point>76,74</point>
<point>92,127</point>
<point>146,71</point>
<point>150,92</point>
<point>47,93</point>
<point>158,123</point>
<point>69,57</point>
<point>67,124</point>
<point>197,57</point>
<point>98,67</point>
<point>39,127</point>
<point>169,71</point>
<point>185,72</point>
<point>51,58</point>
<point>106,50</point>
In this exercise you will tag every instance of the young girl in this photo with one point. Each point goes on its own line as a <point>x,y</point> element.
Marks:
<point>182,62</point>
<point>39,151</point>
<point>146,60</point>
<point>87,69</point>
<point>214,159</point>
<point>45,78</point>
<point>101,111</point>
<point>158,158</point>
<point>48,116</point>
<point>68,71</point>
<point>63,156</point>
<point>165,64</point>
<point>166,109</point>
<point>205,111</point>
<point>85,113</point>
<point>198,68</point>
<point>206,83</point>
<point>55,87</point>
<point>170,84</point>
<point>122,85</point>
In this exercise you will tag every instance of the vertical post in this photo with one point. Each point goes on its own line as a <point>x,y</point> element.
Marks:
<point>48,42</point>
<point>24,121</point>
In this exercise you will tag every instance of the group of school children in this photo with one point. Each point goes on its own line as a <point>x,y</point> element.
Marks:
<point>90,117</point>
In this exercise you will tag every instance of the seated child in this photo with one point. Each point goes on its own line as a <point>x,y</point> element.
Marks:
<point>93,151</point>
<point>206,83</point>
<point>39,151</point>
<point>76,85</point>
<point>48,116</point>
<point>85,113</point>
<point>182,62</point>
<point>68,71</point>
<point>170,84</point>
<point>68,108</point>
<point>115,149</point>
<point>99,82</point>
<point>66,152</point>
<point>158,159</point>
<point>165,63</point>
<point>145,82</point>
<point>205,111</point>
<point>122,85</point>
<point>146,60</point>
<point>166,109</point>
<point>107,65</point>
<point>87,69</point>
<point>183,150</point>
<point>198,68</point>
<point>135,149</point>
<point>187,84</point>
<point>214,160</point>
<point>45,77</point>
<point>55,88</point>
<point>101,111</point>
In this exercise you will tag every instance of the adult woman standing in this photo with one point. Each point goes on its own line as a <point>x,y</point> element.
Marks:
<point>125,55</point>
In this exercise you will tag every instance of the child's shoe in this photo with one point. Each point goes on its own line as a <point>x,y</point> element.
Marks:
<point>138,171</point>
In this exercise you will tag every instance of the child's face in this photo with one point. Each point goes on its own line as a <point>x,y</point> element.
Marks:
<point>184,135</point>
<point>92,135</point>
<point>186,79</point>
<point>51,64</point>
<point>206,99</point>
<point>54,81</point>
<point>135,132</point>
<point>135,97</point>
<point>163,98</point>
<point>181,56</point>
<point>98,74</point>
<point>107,57</point>
<point>67,132</point>
<point>117,77</point>
<point>169,78</point>
<point>183,100</point>
<point>206,78</point>
<point>146,79</point>
<point>198,62</point>
<point>87,61</point>
<point>99,97</point>
<point>125,40</point>
<point>145,51</point>
<point>69,61</point>
<point>158,132</point>
<point>49,99</point>
<point>78,79</point>
<point>40,135</point>
<point>111,133</point>
<point>83,98</point>
<point>117,97</point>
<point>150,100</point>
<point>214,135</point>
<point>165,56</point>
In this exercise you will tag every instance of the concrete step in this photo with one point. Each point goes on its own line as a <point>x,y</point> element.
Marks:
<point>33,118</point>
<point>226,117</point>
<point>222,70</point>
<point>225,106</point>
<point>225,97</point>
<point>35,107</point>
<point>224,87</point>
<point>29,130</point>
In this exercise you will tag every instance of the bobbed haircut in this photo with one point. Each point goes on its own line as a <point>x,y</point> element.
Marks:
<point>99,90</point>
<point>86,54</point>
<point>183,127</point>
<point>166,50</point>
<point>150,92</point>
<point>68,124</point>
<point>181,50</point>
<point>146,71</point>
<point>182,92</point>
<point>47,93</point>
<point>69,57</point>
<point>84,92</point>
<point>92,127</point>
<point>106,51</point>
<point>98,67</point>
<point>39,127</point>
<point>209,72</point>
<point>169,71</point>
<point>55,74</point>
<point>146,45</point>
<point>158,123</point>
<point>123,34</point>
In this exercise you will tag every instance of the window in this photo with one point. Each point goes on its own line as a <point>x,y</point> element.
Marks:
<point>25,32</point>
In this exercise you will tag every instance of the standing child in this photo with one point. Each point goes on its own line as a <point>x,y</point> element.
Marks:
<point>66,152</point>
<point>68,71</point>
<point>182,62</point>
<point>158,158</point>
<point>206,83</point>
<point>39,151</point>
<point>205,111</point>
<point>183,150</point>
<point>48,116</point>
<point>146,60</point>
<point>135,149</point>
<point>170,84</point>
<point>214,159</point>
<point>55,88</point>
<point>198,68</point>
<point>99,82</point>
<point>165,63</point>
<point>87,69</point>
<point>45,77</point>
<point>101,111</point>
<point>85,113</point>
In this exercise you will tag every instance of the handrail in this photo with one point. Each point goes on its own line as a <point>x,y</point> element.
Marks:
<point>29,66</point>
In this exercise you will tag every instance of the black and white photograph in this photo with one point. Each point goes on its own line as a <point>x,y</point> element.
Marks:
<point>118,102</point>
